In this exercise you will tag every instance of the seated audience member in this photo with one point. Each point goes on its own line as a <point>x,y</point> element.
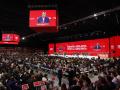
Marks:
<point>111,85</point>
<point>101,84</point>
<point>75,88</point>
<point>63,87</point>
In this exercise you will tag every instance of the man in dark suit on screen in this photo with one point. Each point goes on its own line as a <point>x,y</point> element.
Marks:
<point>43,19</point>
<point>7,38</point>
<point>60,76</point>
<point>97,46</point>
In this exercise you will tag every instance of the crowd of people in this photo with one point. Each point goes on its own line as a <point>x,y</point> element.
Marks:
<point>19,67</point>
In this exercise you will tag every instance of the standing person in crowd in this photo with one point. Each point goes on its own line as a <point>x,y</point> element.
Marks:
<point>60,74</point>
<point>71,76</point>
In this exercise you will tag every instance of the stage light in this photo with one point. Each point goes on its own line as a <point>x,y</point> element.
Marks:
<point>104,15</point>
<point>23,38</point>
<point>65,28</point>
<point>95,15</point>
<point>16,37</point>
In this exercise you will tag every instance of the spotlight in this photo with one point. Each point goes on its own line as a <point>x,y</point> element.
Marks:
<point>23,38</point>
<point>16,37</point>
<point>95,15</point>
<point>65,28</point>
<point>104,15</point>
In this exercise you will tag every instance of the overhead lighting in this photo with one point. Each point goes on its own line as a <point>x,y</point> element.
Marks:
<point>95,15</point>
<point>65,28</point>
<point>104,14</point>
<point>23,38</point>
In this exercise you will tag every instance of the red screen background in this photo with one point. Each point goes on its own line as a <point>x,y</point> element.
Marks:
<point>51,48</point>
<point>83,47</point>
<point>34,14</point>
<point>10,39</point>
<point>109,46</point>
<point>115,46</point>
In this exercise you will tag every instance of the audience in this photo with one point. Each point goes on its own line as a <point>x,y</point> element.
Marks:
<point>23,66</point>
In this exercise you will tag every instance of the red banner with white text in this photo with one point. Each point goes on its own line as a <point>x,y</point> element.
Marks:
<point>90,47</point>
<point>106,47</point>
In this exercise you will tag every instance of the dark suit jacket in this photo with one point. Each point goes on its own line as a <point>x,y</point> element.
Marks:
<point>97,47</point>
<point>60,73</point>
<point>40,20</point>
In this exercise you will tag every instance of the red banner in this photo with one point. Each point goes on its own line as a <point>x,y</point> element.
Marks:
<point>38,83</point>
<point>115,46</point>
<point>90,47</point>
<point>106,47</point>
<point>25,87</point>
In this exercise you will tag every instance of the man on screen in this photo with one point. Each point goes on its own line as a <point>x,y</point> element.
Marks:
<point>43,19</point>
<point>97,46</point>
<point>7,38</point>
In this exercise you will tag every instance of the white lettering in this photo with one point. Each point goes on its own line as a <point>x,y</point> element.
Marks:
<point>77,47</point>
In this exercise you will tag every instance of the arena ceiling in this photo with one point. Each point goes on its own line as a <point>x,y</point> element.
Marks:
<point>14,16</point>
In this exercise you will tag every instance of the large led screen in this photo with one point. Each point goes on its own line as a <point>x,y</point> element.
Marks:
<point>43,18</point>
<point>90,47</point>
<point>115,46</point>
<point>51,48</point>
<point>106,47</point>
<point>10,37</point>
<point>7,37</point>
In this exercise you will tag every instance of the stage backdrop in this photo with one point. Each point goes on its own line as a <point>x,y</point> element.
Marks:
<point>106,47</point>
<point>51,48</point>
<point>89,47</point>
<point>115,46</point>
